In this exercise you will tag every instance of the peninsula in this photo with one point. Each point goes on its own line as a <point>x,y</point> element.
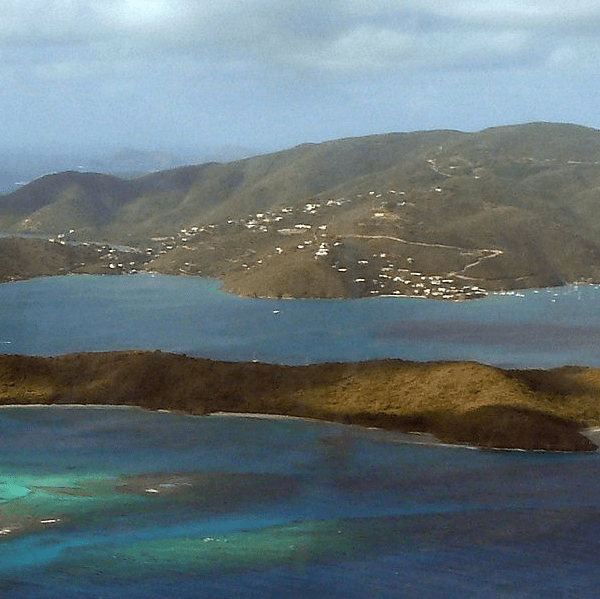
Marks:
<point>442,215</point>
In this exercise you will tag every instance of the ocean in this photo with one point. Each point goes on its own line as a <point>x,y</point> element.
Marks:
<point>113,503</point>
<point>118,503</point>
<point>57,315</point>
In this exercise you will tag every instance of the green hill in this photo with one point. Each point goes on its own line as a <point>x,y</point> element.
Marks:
<point>436,214</point>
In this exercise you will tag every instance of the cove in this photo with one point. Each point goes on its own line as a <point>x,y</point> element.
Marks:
<point>57,315</point>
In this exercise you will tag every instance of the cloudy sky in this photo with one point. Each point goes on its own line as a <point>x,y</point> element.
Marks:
<point>270,74</point>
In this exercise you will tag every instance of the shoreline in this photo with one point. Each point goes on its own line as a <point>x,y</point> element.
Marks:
<point>424,439</point>
<point>410,437</point>
<point>511,291</point>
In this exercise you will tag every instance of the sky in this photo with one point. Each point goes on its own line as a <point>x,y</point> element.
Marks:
<point>271,74</point>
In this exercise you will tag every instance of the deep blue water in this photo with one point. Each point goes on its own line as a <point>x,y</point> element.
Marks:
<point>119,503</point>
<point>545,328</point>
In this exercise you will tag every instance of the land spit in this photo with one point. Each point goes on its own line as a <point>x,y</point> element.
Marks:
<point>458,402</point>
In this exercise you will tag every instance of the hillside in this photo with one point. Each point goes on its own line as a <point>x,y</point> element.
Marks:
<point>440,214</point>
<point>457,402</point>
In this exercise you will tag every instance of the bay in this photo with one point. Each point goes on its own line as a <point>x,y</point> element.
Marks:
<point>536,328</point>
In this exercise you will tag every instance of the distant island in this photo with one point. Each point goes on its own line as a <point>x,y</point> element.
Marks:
<point>464,403</point>
<point>437,214</point>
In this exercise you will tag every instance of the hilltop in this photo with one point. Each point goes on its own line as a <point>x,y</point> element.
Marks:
<point>440,214</point>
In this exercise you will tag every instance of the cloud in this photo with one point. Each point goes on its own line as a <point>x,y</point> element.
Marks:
<point>337,36</point>
<point>373,50</point>
<point>322,69</point>
<point>506,12</point>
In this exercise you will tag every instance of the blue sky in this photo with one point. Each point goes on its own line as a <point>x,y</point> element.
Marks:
<point>270,74</point>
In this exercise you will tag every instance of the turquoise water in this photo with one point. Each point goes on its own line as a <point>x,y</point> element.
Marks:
<point>545,328</point>
<point>126,503</point>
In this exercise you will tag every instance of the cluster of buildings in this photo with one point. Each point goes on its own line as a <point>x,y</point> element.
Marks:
<point>312,230</point>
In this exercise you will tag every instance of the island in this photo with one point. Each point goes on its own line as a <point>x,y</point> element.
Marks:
<point>457,402</point>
